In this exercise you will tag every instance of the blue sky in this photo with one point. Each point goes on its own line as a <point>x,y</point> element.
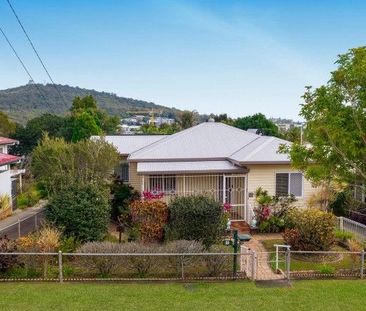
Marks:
<point>235,57</point>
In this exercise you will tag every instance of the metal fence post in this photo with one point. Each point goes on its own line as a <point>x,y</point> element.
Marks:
<point>362,263</point>
<point>18,228</point>
<point>341,227</point>
<point>35,222</point>
<point>60,272</point>
<point>288,262</point>
<point>276,258</point>
<point>182,267</point>
<point>253,265</point>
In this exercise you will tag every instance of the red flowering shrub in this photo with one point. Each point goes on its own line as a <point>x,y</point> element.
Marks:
<point>149,217</point>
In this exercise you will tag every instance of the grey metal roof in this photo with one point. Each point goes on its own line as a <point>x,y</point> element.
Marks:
<point>126,144</point>
<point>188,167</point>
<point>205,141</point>
<point>262,150</point>
<point>213,141</point>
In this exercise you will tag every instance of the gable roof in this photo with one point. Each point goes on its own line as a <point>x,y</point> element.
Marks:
<point>212,141</point>
<point>7,141</point>
<point>126,144</point>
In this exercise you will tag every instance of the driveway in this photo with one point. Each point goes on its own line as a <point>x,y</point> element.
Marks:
<point>23,222</point>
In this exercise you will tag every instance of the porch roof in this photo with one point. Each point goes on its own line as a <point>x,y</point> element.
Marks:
<point>8,159</point>
<point>189,167</point>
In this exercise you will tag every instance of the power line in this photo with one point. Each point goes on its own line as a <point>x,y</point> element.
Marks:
<point>35,51</point>
<point>22,63</point>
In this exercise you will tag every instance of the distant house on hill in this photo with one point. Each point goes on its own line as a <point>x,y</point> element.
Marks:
<point>211,158</point>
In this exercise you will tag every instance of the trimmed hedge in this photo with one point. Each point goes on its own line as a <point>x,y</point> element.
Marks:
<point>197,217</point>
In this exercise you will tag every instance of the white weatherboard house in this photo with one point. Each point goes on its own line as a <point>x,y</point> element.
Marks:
<point>211,158</point>
<point>7,177</point>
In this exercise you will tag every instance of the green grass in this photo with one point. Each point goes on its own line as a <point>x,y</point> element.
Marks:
<point>301,265</point>
<point>303,295</point>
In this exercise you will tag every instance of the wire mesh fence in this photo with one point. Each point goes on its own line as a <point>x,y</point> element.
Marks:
<point>246,265</point>
<point>119,267</point>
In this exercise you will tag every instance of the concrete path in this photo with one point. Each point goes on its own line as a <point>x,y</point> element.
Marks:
<point>22,222</point>
<point>263,271</point>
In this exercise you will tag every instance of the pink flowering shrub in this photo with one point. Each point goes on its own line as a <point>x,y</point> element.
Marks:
<point>155,194</point>
<point>227,207</point>
<point>271,211</point>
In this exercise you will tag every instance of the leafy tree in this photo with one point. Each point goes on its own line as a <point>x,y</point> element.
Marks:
<point>188,119</point>
<point>335,116</point>
<point>260,122</point>
<point>7,127</point>
<point>87,120</point>
<point>223,118</point>
<point>164,129</point>
<point>81,211</point>
<point>29,135</point>
<point>293,134</point>
<point>56,163</point>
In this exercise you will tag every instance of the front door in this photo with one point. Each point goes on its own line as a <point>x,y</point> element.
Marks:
<point>235,195</point>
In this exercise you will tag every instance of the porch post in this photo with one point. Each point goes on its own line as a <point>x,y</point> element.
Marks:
<point>184,185</point>
<point>223,188</point>
<point>142,185</point>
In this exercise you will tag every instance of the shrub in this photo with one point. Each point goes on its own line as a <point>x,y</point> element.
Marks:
<point>272,224</point>
<point>105,265</point>
<point>311,230</point>
<point>7,261</point>
<point>343,236</point>
<point>123,195</point>
<point>47,239</point>
<point>216,264</point>
<point>69,244</point>
<point>31,196</point>
<point>141,265</point>
<point>5,206</point>
<point>198,218</point>
<point>327,269</point>
<point>181,247</point>
<point>271,211</point>
<point>150,218</point>
<point>81,211</point>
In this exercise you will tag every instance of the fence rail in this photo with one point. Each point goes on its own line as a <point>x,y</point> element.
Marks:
<point>354,227</point>
<point>59,266</point>
<point>280,265</point>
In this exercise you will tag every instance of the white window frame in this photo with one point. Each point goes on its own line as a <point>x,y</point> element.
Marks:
<point>288,183</point>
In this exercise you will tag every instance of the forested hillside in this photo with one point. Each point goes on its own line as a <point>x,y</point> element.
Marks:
<point>25,102</point>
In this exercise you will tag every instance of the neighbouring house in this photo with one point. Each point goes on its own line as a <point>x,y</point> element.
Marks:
<point>8,177</point>
<point>211,158</point>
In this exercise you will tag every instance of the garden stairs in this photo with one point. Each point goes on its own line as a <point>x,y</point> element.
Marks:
<point>241,226</point>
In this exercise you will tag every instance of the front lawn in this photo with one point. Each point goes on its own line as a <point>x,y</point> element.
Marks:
<point>345,262</point>
<point>303,295</point>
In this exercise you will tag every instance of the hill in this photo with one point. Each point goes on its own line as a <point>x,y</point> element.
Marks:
<point>24,102</point>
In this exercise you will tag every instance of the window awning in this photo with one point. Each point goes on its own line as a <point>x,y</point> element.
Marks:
<point>189,167</point>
